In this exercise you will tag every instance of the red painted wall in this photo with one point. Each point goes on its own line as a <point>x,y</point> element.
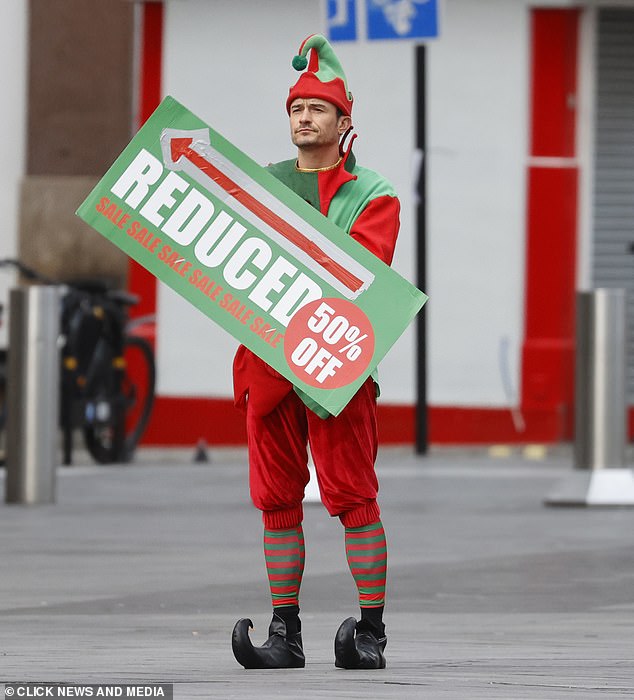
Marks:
<point>140,281</point>
<point>551,227</point>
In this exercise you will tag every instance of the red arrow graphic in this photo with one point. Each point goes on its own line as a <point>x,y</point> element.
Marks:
<point>181,148</point>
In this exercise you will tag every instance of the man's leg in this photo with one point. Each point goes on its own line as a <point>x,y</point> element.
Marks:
<point>284,557</point>
<point>366,552</point>
<point>344,449</point>
<point>278,474</point>
<point>361,644</point>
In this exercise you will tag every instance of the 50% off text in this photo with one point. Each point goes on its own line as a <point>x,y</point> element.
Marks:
<point>329,343</point>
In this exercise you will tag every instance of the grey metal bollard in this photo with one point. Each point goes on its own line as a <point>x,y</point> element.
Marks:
<point>600,477</point>
<point>600,373</point>
<point>32,395</point>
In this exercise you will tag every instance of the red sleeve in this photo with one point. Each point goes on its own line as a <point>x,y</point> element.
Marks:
<point>377,226</point>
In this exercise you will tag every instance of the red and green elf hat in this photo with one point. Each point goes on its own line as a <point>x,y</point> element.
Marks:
<point>324,78</point>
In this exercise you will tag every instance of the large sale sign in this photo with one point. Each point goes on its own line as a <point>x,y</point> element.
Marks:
<point>252,255</point>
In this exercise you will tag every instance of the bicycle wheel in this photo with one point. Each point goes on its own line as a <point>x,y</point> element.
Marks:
<point>141,367</point>
<point>117,414</point>
<point>104,428</point>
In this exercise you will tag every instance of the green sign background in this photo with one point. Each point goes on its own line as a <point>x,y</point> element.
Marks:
<point>390,302</point>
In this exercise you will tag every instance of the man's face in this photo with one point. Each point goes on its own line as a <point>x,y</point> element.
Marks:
<point>314,123</point>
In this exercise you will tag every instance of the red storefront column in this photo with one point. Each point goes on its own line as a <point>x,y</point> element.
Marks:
<point>140,281</point>
<point>551,226</point>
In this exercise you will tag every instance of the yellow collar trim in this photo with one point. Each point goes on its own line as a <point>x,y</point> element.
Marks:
<point>318,170</point>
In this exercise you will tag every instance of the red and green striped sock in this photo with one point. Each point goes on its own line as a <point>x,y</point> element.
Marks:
<point>366,551</point>
<point>302,552</point>
<point>284,557</point>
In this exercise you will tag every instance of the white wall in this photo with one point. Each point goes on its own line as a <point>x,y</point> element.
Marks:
<point>477,143</point>
<point>230,63</point>
<point>13,59</point>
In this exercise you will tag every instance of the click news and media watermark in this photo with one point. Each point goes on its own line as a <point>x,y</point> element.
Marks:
<point>14,691</point>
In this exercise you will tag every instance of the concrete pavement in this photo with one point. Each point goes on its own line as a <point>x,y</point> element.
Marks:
<point>137,574</point>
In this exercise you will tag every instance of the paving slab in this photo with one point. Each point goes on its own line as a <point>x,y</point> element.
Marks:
<point>138,572</point>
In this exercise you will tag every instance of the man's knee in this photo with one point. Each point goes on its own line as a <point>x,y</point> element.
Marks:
<point>283,519</point>
<point>361,516</point>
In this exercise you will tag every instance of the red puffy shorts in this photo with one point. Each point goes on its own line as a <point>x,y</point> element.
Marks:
<point>343,450</point>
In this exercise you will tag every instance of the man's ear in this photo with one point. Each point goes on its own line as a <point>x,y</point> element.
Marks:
<point>345,122</point>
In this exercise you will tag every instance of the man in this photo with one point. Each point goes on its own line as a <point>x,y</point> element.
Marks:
<point>281,420</point>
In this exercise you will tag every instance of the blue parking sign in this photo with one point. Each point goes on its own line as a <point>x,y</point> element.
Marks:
<point>402,19</point>
<point>342,20</point>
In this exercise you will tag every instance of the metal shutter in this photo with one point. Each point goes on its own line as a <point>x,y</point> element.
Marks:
<point>613,260</point>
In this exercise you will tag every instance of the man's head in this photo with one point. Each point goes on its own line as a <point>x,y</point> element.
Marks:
<point>316,123</point>
<point>324,80</point>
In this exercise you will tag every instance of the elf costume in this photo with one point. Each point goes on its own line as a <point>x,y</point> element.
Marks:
<point>282,420</point>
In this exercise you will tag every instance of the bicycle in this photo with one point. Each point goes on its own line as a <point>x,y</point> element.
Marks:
<point>97,392</point>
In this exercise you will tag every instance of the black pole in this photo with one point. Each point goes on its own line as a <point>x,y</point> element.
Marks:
<point>422,432</point>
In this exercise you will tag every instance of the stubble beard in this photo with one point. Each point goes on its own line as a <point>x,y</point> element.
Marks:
<point>307,141</point>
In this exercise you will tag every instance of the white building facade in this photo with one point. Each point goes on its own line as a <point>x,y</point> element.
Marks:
<point>521,109</point>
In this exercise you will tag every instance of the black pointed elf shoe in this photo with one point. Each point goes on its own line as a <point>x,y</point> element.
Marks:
<point>279,651</point>
<point>357,646</point>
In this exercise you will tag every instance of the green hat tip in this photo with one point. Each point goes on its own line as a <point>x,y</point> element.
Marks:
<point>300,62</point>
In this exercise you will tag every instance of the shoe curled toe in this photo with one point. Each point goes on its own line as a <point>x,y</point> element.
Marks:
<point>279,651</point>
<point>358,646</point>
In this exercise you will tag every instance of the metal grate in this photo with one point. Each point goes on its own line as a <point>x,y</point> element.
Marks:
<point>613,260</point>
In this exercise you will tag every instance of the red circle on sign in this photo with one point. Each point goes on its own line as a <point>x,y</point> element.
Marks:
<point>329,343</point>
